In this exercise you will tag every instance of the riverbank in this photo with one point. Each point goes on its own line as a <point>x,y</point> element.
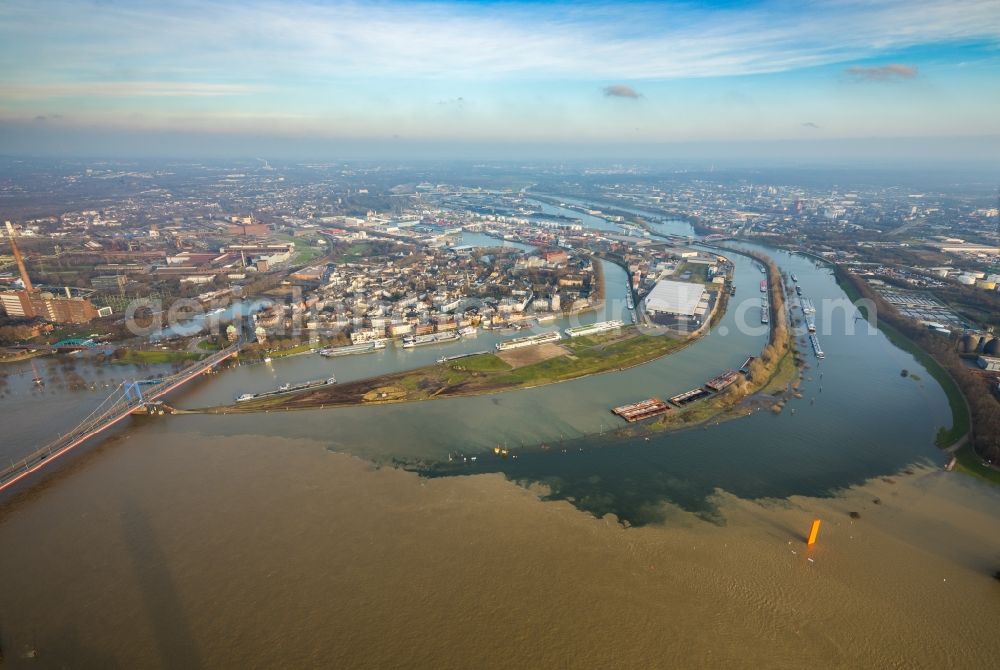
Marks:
<point>24,355</point>
<point>483,374</point>
<point>961,415</point>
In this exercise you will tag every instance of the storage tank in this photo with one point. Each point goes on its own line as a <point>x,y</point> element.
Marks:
<point>992,348</point>
<point>979,341</point>
<point>966,345</point>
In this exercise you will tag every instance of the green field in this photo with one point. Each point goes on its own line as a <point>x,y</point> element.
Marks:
<point>157,357</point>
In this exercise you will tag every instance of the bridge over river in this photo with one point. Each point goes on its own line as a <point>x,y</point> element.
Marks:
<point>126,399</point>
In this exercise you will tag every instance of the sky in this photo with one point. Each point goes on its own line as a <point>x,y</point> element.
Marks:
<point>899,78</point>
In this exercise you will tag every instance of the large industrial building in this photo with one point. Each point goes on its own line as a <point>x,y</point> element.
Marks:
<point>677,301</point>
<point>30,303</point>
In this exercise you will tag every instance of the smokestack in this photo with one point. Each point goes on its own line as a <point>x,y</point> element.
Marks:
<point>18,259</point>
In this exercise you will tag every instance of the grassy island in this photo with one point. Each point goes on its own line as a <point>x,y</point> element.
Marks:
<point>487,373</point>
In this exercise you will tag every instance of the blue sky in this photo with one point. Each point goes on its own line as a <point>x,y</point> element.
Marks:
<point>495,73</point>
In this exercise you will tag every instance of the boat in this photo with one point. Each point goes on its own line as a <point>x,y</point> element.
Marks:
<point>594,328</point>
<point>816,348</point>
<point>37,377</point>
<point>807,306</point>
<point>267,360</point>
<point>811,324</point>
<point>762,269</point>
<point>794,278</point>
<point>529,340</point>
<point>763,286</point>
<point>798,290</point>
<point>411,341</point>
<point>360,348</point>
<point>285,389</point>
<point>641,410</point>
<point>689,397</point>
<point>722,380</point>
<point>628,300</point>
<point>468,331</point>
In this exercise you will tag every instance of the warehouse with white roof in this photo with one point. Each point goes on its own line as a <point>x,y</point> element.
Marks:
<point>677,299</point>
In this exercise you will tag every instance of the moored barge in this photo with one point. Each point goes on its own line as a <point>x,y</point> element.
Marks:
<point>362,348</point>
<point>642,410</point>
<point>528,341</point>
<point>287,388</point>
<point>688,397</point>
<point>722,380</point>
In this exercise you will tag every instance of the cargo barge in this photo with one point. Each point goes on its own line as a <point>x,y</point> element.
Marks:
<point>362,348</point>
<point>446,359</point>
<point>722,380</point>
<point>642,410</point>
<point>593,328</point>
<point>807,306</point>
<point>763,286</point>
<point>628,299</point>
<point>411,341</point>
<point>765,310</point>
<point>816,348</point>
<point>810,323</point>
<point>689,397</point>
<point>529,341</point>
<point>287,388</point>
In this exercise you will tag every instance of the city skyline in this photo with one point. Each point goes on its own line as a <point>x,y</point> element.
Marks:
<point>844,80</point>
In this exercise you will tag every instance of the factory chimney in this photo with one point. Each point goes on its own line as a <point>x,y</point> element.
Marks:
<point>18,259</point>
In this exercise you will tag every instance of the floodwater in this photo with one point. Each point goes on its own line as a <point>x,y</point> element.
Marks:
<point>278,540</point>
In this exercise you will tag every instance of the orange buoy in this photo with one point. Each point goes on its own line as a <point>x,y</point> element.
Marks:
<point>813,532</point>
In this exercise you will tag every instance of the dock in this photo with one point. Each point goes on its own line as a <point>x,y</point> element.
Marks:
<point>722,380</point>
<point>642,410</point>
<point>689,397</point>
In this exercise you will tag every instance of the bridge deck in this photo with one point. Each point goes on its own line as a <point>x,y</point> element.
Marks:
<point>101,420</point>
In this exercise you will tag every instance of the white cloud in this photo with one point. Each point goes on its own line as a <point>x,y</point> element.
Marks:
<point>286,42</point>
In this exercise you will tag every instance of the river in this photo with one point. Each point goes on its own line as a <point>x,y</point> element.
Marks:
<point>207,540</point>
